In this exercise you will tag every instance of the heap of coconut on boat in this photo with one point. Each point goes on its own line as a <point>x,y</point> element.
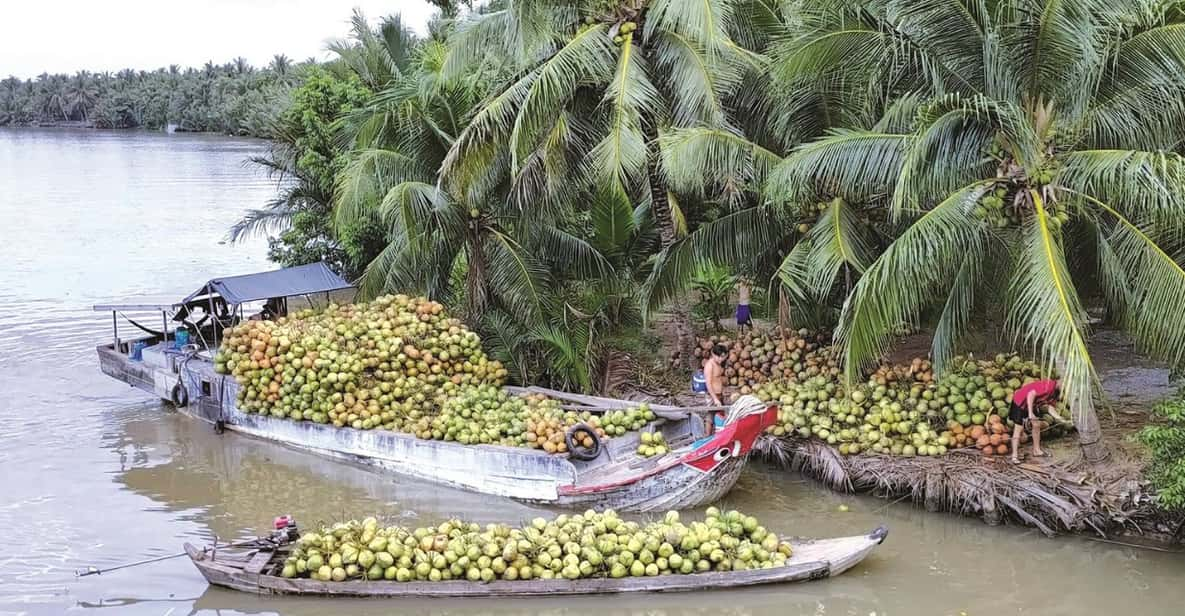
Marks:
<point>398,384</point>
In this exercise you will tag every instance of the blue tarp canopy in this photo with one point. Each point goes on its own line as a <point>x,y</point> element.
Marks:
<point>300,280</point>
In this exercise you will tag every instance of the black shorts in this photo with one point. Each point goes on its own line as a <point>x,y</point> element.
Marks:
<point>1020,415</point>
<point>1017,414</point>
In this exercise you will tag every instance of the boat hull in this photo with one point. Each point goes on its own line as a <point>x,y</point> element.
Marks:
<point>616,479</point>
<point>812,560</point>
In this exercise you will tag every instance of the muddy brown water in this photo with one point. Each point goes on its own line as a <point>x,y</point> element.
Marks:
<point>95,473</point>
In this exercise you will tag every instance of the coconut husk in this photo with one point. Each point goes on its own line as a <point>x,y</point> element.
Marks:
<point>1056,497</point>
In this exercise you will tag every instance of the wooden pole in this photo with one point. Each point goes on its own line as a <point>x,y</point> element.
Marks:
<point>115,331</point>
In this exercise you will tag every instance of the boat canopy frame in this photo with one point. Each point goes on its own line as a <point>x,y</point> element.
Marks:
<point>232,292</point>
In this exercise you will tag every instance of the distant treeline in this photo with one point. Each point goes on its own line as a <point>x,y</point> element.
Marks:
<point>234,98</point>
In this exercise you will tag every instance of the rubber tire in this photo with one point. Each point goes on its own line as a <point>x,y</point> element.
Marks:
<point>579,452</point>
<point>180,396</point>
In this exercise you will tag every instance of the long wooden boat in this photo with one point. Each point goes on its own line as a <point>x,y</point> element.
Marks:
<point>699,469</point>
<point>254,570</point>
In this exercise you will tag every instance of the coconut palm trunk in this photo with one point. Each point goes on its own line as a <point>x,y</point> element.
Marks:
<point>664,217</point>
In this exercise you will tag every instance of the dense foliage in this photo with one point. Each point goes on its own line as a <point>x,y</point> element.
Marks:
<point>305,159</point>
<point>1166,441</point>
<point>234,98</point>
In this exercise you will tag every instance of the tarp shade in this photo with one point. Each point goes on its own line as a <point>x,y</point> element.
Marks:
<point>299,280</point>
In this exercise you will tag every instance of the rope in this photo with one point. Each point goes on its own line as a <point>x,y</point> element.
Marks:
<point>744,406</point>
<point>141,327</point>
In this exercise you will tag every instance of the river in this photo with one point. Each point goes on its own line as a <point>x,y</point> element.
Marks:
<point>95,473</point>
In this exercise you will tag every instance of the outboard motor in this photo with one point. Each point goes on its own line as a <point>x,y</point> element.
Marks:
<point>285,530</point>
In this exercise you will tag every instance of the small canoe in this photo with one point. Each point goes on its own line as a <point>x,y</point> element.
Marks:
<point>255,571</point>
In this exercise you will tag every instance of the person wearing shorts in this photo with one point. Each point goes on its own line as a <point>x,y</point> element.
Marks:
<point>1026,401</point>
<point>744,315</point>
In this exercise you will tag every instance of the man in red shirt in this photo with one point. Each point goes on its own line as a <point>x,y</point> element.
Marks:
<point>1025,403</point>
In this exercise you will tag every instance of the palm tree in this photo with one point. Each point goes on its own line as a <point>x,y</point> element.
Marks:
<point>400,140</point>
<point>589,89</point>
<point>82,94</point>
<point>52,95</point>
<point>1036,169</point>
<point>281,65</point>
<point>241,66</point>
<point>376,56</point>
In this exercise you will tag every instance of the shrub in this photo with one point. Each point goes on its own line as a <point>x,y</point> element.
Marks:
<point>1166,441</point>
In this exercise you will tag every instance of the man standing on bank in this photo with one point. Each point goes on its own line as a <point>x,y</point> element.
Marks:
<point>744,315</point>
<point>1026,403</point>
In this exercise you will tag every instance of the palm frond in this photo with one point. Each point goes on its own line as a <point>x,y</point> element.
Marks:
<point>1059,43</point>
<point>948,151</point>
<point>837,240</point>
<point>1045,311</point>
<point>476,158</point>
<point>261,221</point>
<point>697,79</point>
<point>613,221</point>
<point>854,165</point>
<point>367,177</point>
<point>503,339</point>
<point>704,21</point>
<point>902,281</point>
<point>947,30</point>
<point>735,240</point>
<point>566,252</point>
<point>700,161</point>
<point>514,276</point>
<point>1142,185</point>
<point>588,57</point>
<point>956,313</point>
<point>565,354</point>
<point>1140,100</point>
<point>620,158</point>
<point>1155,298</point>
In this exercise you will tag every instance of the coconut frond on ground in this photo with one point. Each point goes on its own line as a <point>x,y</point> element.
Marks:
<point>1056,497</point>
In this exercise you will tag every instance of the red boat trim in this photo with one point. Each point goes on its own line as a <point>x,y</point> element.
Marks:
<point>703,458</point>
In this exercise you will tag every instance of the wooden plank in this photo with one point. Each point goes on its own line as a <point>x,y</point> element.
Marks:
<point>258,562</point>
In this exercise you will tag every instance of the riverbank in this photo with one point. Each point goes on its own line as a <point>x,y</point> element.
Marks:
<point>90,125</point>
<point>1058,495</point>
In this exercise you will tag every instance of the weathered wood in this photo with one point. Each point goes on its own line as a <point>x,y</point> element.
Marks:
<point>811,560</point>
<point>258,562</point>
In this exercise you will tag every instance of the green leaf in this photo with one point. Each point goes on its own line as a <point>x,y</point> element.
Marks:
<point>854,165</point>
<point>1044,309</point>
<point>697,161</point>
<point>587,58</point>
<point>837,240</point>
<point>620,158</point>
<point>902,281</point>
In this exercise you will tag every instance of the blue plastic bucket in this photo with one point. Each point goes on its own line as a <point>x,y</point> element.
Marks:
<point>181,338</point>
<point>699,384</point>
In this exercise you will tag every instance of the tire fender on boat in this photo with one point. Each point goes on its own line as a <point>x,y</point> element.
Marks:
<point>180,396</point>
<point>579,452</point>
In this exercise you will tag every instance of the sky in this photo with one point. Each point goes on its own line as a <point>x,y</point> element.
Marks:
<point>65,36</point>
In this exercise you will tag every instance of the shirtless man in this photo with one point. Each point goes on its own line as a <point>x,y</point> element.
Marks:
<point>714,375</point>
<point>744,315</point>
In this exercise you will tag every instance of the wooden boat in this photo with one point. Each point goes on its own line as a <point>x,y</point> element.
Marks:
<point>254,570</point>
<point>699,469</point>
